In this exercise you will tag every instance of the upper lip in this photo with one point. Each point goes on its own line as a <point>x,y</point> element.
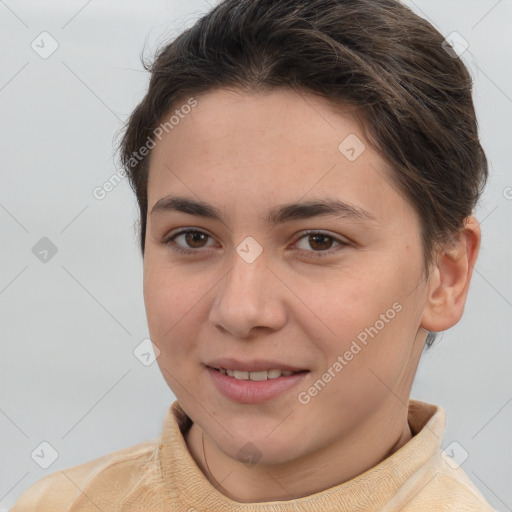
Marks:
<point>256,365</point>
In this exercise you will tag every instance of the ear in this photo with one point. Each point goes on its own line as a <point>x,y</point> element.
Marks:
<point>450,277</point>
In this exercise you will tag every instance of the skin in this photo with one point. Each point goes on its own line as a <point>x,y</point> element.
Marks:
<point>244,153</point>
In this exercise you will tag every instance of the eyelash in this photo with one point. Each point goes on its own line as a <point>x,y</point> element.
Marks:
<point>315,254</point>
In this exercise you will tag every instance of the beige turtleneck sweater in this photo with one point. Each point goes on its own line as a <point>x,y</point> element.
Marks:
<point>161,475</point>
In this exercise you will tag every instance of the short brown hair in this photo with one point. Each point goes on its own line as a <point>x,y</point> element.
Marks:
<point>376,56</point>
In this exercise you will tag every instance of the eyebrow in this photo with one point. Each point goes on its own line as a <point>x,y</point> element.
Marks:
<point>273,216</point>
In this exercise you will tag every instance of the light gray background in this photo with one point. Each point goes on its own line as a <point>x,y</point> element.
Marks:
<point>70,325</point>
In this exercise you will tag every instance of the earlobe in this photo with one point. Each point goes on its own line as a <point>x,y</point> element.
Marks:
<point>450,278</point>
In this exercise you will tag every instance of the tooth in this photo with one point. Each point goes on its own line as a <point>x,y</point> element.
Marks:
<point>241,375</point>
<point>286,373</point>
<point>222,370</point>
<point>230,373</point>
<point>258,375</point>
<point>273,374</point>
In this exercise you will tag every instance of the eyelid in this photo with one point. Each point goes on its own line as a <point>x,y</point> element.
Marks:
<point>169,241</point>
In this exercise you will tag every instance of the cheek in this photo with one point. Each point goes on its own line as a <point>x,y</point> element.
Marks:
<point>172,300</point>
<point>347,302</point>
<point>369,317</point>
<point>366,365</point>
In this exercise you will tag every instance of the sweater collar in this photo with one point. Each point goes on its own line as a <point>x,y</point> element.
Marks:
<point>381,484</point>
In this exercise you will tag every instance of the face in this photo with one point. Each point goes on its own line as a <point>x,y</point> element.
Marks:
<point>250,284</point>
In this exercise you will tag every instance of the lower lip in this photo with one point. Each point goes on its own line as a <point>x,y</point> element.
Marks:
<point>253,392</point>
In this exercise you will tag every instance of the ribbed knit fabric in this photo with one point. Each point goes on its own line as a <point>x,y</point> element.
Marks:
<point>162,476</point>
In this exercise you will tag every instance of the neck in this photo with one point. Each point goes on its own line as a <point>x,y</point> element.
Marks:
<point>312,473</point>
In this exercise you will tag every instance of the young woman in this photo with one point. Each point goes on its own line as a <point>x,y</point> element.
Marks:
<point>306,172</point>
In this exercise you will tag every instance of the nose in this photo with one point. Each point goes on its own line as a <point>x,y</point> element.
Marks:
<point>248,299</point>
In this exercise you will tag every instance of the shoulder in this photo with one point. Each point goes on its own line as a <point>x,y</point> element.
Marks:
<point>437,482</point>
<point>95,485</point>
<point>448,488</point>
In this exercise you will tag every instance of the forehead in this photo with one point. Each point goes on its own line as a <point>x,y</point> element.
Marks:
<point>268,147</point>
<point>281,118</point>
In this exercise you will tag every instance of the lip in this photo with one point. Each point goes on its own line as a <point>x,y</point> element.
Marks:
<point>254,392</point>
<point>256,365</point>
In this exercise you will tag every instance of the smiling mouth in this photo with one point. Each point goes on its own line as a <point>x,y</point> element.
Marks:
<point>257,376</point>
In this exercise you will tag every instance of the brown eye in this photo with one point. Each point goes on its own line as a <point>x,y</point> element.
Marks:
<point>192,241</point>
<point>195,239</point>
<point>319,244</point>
